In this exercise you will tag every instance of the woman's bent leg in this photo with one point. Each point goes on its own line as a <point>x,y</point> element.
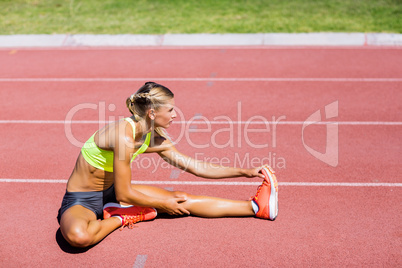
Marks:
<point>80,227</point>
<point>202,206</point>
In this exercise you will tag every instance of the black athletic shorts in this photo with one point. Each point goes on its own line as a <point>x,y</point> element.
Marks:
<point>93,201</point>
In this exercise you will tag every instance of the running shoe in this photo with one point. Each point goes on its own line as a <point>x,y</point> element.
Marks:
<point>267,195</point>
<point>129,214</point>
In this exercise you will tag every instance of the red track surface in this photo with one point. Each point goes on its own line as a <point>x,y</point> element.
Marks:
<point>333,225</point>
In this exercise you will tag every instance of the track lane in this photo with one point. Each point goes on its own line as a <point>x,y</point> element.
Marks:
<point>26,157</point>
<point>219,62</point>
<point>237,101</point>
<point>316,226</point>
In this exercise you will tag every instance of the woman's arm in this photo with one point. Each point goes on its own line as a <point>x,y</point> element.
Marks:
<point>123,151</point>
<point>203,169</point>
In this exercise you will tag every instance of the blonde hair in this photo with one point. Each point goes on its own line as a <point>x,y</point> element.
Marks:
<point>150,96</point>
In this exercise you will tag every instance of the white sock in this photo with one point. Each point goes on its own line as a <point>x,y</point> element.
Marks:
<point>121,220</point>
<point>255,206</point>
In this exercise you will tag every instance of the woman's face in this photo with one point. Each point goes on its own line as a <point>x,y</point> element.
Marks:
<point>165,114</point>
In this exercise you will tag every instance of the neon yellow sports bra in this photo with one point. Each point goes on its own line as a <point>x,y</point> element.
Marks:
<point>103,159</point>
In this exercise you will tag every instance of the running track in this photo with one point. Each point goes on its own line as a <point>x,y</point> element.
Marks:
<point>236,104</point>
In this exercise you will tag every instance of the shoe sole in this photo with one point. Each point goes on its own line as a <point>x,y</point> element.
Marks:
<point>116,205</point>
<point>273,197</point>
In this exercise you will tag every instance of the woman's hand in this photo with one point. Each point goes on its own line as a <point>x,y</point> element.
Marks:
<point>254,172</point>
<point>174,206</point>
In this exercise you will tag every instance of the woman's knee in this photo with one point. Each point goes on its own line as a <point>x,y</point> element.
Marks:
<point>187,196</point>
<point>180,194</point>
<point>78,238</point>
<point>74,225</point>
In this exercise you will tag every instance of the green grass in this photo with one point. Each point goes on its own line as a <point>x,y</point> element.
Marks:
<point>192,16</point>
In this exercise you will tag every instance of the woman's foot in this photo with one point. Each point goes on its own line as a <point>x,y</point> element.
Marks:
<point>129,215</point>
<point>267,196</point>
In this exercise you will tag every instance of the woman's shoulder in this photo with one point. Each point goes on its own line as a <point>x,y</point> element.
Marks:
<point>157,139</point>
<point>116,132</point>
<point>159,143</point>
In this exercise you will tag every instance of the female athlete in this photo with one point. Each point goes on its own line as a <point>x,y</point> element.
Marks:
<point>100,197</point>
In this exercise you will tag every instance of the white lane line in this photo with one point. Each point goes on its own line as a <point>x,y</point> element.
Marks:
<point>225,183</point>
<point>216,47</point>
<point>140,261</point>
<point>202,79</point>
<point>351,123</point>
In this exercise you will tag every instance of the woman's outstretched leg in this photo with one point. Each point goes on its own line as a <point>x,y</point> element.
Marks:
<point>202,206</point>
<point>212,207</point>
